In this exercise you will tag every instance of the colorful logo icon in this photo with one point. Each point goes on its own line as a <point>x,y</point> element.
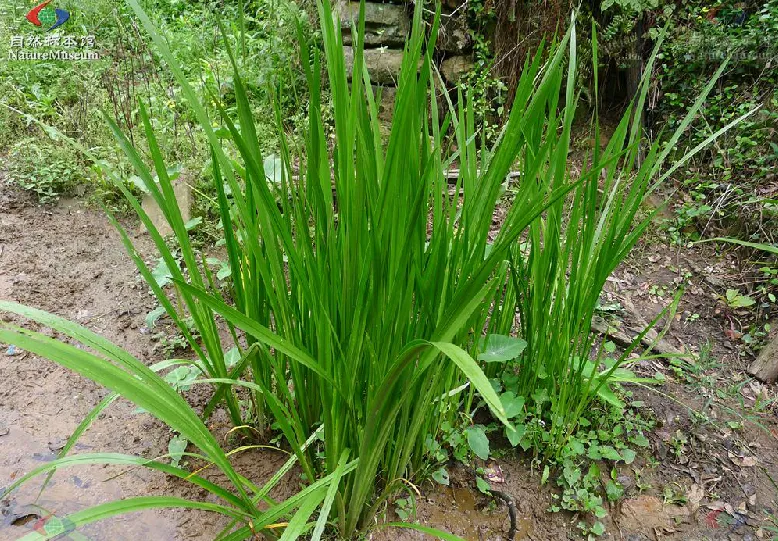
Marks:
<point>51,18</point>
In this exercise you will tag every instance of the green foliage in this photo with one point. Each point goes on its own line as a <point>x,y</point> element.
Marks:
<point>736,300</point>
<point>44,169</point>
<point>357,358</point>
<point>326,252</point>
<point>69,96</point>
<point>766,292</point>
<point>728,182</point>
<point>488,93</point>
<point>499,348</point>
<point>618,21</point>
<point>405,508</point>
<point>561,270</point>
<point>606,439</point>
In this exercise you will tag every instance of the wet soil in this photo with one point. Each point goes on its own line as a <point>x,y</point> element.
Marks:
<point>67,259</point>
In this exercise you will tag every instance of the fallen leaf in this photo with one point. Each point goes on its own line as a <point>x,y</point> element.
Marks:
<point>493,474</point>
<point>694,497</point>
<point>742,461</point>
<point>710,518</point>
<point>748,462</point>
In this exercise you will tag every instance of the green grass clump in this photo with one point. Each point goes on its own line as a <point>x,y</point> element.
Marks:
<point>359,280</point>
<point>559,274</point>
<point>362,280</point>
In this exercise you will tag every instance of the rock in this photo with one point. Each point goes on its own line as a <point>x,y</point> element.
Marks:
<point>385,24</point>
<point>644,513</point>
<point>453,37</point>
<point>382,64</point>
<point>183,196</point>
<point>765,367</point>
<point>57,445</point>
<point>453,68</point>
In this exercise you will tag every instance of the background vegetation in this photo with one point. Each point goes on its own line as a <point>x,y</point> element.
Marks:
<point>70,96</point>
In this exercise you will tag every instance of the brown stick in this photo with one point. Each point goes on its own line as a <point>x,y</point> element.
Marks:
<point>511,511</point>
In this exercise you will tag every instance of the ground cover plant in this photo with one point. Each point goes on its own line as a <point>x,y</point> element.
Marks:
<point>70,95</point>
<point>361,281</point>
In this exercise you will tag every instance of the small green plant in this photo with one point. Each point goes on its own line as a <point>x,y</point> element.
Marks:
<point>678,443</point>
<point>674,494</point>
<point>607,438</point>
<point>488,93</point>
<point>640,484</point>
<point>736,300</point>
<point>44,169</point>
<point>405,508</point>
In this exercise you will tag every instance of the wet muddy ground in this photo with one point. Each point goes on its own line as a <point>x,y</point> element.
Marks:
<point>67,259</point>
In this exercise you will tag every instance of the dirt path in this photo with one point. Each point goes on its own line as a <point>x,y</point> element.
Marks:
<point>67,259</point>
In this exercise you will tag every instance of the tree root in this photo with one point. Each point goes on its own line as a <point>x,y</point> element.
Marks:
<point>511,510</point>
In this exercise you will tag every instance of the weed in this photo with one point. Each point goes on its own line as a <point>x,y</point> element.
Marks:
<point>405,508</point>
<point>674,494</point>
<point>640,484</point>
<point>45,170</point>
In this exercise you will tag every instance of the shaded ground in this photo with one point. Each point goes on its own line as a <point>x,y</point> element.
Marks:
<point>67,259</point>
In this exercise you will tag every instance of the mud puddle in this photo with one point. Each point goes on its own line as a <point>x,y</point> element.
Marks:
<point>68,260</point>
<point>70,490</point>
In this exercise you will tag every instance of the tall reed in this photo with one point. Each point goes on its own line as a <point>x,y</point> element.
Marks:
<point>557,276</point>
<point>359,281</point>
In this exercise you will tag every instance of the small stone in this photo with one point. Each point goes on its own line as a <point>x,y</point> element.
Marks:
<point>385,24</point>
<point>57,445</point>
<point>383,65</point>
<point>453,68</point>
<point>453,36</point>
